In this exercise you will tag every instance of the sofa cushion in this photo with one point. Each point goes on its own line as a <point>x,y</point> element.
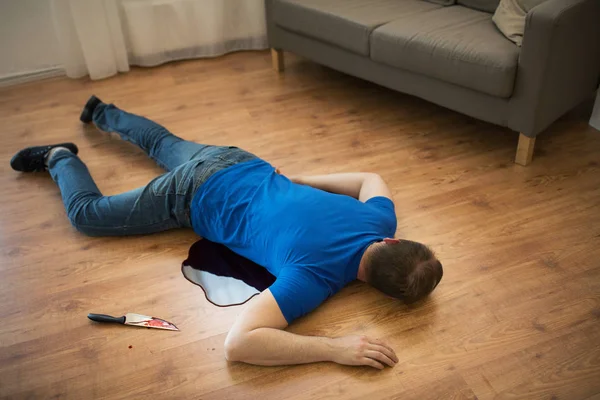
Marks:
<point>442,2</point>
<point>454,44</point>
<point>481,5</point>
<point>344,23</point>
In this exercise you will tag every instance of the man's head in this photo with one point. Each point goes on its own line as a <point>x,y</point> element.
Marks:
<point>402,269</point>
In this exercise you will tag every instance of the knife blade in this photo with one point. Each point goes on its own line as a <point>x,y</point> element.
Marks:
<point>133,319</point>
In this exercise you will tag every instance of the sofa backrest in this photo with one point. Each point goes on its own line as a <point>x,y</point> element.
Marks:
<point>481,5</point>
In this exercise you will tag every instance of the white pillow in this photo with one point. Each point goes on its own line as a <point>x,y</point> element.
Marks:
<point>510,17</point>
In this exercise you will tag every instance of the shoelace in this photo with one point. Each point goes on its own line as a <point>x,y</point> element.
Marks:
<point>36,162</point>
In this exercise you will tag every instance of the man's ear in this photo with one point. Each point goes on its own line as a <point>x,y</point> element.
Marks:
<point>391,241</point>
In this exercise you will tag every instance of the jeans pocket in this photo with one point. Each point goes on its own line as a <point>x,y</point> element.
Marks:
<point>234,155</point>
<point>162,186</point>
<point>176,182</point>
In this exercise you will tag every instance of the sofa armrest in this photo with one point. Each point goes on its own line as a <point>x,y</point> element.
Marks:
<point>559,64</point>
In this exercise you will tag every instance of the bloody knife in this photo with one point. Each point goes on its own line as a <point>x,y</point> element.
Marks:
<point>132,319</point>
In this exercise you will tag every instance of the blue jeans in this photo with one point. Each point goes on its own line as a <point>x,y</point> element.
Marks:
<point>162,204</point>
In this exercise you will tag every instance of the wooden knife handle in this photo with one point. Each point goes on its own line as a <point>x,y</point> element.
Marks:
<point>106,318</point>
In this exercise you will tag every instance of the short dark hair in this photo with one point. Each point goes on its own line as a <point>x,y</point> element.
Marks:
<point>406,270</point>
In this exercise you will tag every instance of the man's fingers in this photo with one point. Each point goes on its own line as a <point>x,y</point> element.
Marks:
<point>385,350</point>
<point>372,363</point>
<point>376,355</point>
<point>381,343</point>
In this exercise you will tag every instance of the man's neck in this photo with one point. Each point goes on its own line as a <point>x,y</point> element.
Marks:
<point>362,267</point>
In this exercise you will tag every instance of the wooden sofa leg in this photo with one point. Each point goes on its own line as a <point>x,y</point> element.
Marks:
<point>277,57</point>
<point>525,150</point>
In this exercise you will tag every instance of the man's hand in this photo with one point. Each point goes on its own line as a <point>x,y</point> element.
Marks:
<point>257,338</point>
<point>361,350</point>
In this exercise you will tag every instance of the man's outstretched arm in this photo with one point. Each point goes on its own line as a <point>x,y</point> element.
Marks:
<point>360,185</point>
<point>257,338</point>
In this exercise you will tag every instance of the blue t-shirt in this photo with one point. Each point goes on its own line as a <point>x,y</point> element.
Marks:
<point>312,241</point>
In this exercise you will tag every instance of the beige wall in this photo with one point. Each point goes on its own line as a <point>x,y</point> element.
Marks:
<point>27,40</point>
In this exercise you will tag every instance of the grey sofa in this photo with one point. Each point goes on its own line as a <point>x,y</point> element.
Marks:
<point>454,55</point>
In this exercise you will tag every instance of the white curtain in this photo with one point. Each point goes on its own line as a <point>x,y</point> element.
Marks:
<point>100,38</point>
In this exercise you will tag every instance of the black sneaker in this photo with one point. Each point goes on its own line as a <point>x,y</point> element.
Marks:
<point>88,109</point>
<point>32,159</point>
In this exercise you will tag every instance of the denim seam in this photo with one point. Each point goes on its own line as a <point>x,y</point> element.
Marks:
<point>123,226</point>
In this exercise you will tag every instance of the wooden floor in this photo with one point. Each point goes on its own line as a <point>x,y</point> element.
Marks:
<point>517,315</point>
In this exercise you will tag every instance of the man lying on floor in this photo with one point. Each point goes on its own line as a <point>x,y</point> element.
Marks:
<point>315,234</point>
